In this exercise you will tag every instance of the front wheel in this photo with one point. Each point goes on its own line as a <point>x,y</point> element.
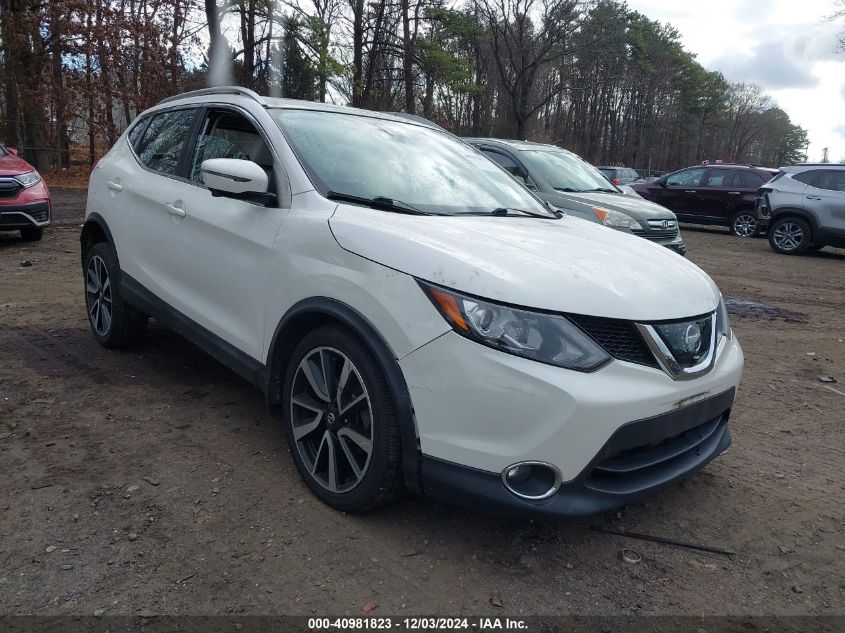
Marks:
<point>790,236</point>
<point>113,322</point>
<point>744,224</point>
<point>341,421</point>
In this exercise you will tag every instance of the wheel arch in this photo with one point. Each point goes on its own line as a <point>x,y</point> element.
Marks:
<point>95,230</point>
<point>315,312</point>
<point>796,212</point>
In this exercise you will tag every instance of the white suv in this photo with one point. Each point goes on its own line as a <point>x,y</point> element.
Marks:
<point>416,318</point>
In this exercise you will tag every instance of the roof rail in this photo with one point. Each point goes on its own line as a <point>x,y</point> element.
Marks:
<point>217,90</point>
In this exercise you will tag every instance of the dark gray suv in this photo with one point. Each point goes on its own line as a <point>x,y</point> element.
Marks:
<point>803,208</point>
<point>564,180</point>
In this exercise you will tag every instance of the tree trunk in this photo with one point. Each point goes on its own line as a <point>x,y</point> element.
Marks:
<point>408,58</point>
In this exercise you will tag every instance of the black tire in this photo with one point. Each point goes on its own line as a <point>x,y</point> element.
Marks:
<point>790,236</point>
<point>376,483</point>
<point>125,324</point>
<point>32,234</point>
<point>744,223</point>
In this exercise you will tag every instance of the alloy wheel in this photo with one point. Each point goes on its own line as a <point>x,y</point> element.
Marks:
<point>98,295</point>
<point>745,225</point>
<point>331,419</point>
<point>788,236</point>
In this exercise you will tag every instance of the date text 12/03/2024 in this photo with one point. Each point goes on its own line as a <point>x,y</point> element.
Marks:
<point>417,624</point>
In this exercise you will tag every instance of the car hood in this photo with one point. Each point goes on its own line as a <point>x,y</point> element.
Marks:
<point>636,207</point>
<point>13,166</point>
<point>566,265</point>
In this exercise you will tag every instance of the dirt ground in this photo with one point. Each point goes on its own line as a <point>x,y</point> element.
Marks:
<point>154,481</point>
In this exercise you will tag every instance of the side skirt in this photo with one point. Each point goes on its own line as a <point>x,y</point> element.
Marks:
<point>244,365</point>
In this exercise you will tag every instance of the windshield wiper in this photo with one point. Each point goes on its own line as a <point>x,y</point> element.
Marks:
<point>507,211</point>
<point>599,189</point>
<point>568,189</point>
<point>379,202</point>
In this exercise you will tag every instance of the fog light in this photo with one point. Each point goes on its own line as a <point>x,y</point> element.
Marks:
<point>531,480</point>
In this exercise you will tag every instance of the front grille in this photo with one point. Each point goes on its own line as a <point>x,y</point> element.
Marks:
<point>657,235</point>
<point>642,467</point>
<point>618,337</point>
<point>9,188</point>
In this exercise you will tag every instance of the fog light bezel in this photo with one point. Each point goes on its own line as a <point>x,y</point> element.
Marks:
<point>558,479</point>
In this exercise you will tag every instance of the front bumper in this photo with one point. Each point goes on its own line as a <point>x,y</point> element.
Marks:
<point>481,411</point>
<point>22,216</point>
<point>639,459</point>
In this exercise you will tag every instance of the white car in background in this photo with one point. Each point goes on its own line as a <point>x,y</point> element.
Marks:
<point>416,318</point>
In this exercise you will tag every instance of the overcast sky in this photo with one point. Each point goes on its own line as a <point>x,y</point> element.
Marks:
<point>786,46</point>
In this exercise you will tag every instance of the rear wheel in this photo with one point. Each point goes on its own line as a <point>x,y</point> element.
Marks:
<point>744,224</point>
<point>113,322</point>
<point>341,421</point>
<point>790,236</point>
<point>32,234</point>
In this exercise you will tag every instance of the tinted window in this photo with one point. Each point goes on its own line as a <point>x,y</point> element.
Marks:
<point>831,180</point>
<point>566,171</point>
<point>372,157</point>
<point>162,142</point>
<point>506,162</point>
<point>136,132</point>
<point>807,177</point>
<point>633,174</point>
<point>747,179</point>
<point>687,177</point>
<point>230,135</point>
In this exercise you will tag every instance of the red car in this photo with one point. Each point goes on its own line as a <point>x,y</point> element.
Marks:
<point>24,198</point>
<point>724,194</point>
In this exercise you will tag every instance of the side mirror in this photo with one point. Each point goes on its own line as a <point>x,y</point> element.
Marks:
<point>661,182</point>
<point>13,151</point>
<point>236,178</point>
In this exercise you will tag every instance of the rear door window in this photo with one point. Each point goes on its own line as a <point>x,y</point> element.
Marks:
<point>832,180</point>
<point>160,148</point>
<point>719,177</point>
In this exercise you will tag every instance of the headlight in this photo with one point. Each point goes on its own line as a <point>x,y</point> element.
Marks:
<point>615,219</point>
<point>28,179</point>
<point>723,325</point>
<point>547,338</point>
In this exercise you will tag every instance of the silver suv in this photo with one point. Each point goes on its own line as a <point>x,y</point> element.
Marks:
<point>803,208</point>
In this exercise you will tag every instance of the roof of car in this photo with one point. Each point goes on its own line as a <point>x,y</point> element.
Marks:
<point>237,93</point>
<point>733,166</point>
<point>515,144</point>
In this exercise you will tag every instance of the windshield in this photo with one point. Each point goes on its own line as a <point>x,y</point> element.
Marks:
<point>2,151</point>
<point>565,171</point>
<point>417,166</point>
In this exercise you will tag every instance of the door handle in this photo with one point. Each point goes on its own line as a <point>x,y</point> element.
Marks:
<point>813,197</point>
<point>172,209</point>
<point>733,193</point>
<point>691,191</point>
<point>115,185</point>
